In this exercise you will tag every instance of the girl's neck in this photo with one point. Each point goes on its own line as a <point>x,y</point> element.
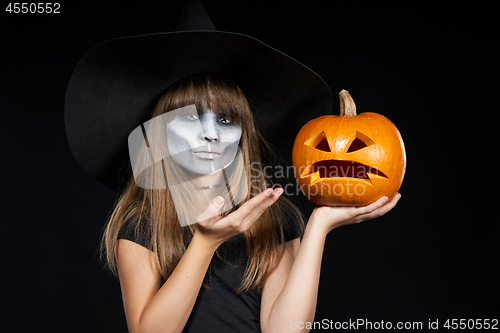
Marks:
<point>209,181</point>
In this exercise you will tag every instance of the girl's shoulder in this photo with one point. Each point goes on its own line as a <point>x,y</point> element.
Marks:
<point>135,231</point>
<point>293,225</point>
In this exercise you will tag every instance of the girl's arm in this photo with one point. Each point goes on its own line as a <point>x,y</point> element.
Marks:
<point>290,293</point>
<point>150,307</point>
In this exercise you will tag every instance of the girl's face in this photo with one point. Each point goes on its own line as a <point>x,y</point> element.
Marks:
<point>203,143</point>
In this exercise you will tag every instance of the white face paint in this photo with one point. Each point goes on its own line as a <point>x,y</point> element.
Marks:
<point>203,143</point>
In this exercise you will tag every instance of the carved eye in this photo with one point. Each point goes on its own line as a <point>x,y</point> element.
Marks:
<point>319,142</point>
<point>360,141</point>
<point>324,146</point>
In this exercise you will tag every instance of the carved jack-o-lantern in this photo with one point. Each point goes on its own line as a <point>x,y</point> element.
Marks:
<point>349,160</point>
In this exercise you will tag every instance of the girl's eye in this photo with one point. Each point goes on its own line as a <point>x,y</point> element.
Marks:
<point>192,117</point>
<point>225,119</point>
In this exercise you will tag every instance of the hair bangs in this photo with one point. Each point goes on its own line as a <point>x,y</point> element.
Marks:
<point>209,93</point>
<point>225,97</point>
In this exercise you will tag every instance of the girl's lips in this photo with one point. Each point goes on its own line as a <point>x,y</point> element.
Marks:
<point>207,155</point>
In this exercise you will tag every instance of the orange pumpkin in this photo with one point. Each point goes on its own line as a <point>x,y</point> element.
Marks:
<point>349,160</point>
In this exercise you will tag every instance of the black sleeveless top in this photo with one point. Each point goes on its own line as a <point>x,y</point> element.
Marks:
<point>219,308</point>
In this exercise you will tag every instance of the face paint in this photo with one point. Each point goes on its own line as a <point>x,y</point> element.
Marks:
<point>203,143</point>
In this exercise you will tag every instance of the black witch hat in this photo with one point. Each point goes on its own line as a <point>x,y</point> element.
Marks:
<point>115,87</point>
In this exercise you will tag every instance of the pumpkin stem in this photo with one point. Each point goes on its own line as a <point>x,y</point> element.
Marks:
<point>347,106</point>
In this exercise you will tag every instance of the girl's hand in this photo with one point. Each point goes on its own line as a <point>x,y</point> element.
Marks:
<point>330,218</point>
<point>216,230</point>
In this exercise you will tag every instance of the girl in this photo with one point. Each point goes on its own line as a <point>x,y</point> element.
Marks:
<point>245,270</point>
<point>199,240</point>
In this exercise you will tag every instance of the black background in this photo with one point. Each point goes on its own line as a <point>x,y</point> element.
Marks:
<point>431,70</point>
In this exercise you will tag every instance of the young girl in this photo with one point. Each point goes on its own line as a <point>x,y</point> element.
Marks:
<point>200,241</point>
<point>232,267</point>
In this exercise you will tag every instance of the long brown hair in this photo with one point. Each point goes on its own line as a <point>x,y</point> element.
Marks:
<point>152,213</point>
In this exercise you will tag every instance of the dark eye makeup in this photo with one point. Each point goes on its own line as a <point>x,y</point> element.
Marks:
<point>224,119</point>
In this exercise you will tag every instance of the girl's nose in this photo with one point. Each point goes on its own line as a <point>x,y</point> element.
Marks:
<point>209,128</point>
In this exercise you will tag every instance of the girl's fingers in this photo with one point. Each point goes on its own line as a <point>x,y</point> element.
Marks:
<point>373,206</point>
<point>212,210</point>
<point>380,209</point>
<point>244,216</point>
<point>255,213</point>
<point>255,206</point>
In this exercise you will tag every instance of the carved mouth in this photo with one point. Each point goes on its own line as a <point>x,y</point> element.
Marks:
<point>339,168</point>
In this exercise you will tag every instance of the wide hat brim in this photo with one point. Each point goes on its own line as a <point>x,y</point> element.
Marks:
<point>115,87</point>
